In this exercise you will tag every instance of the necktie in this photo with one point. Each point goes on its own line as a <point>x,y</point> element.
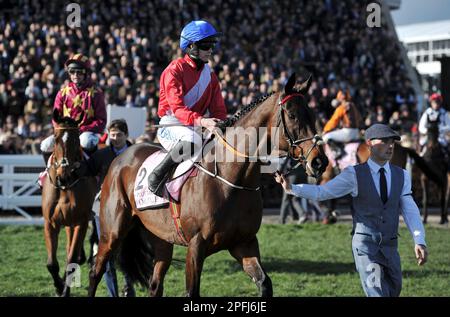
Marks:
<point>383,186</point>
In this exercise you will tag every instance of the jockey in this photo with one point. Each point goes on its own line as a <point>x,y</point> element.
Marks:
<point>347,116</point>
<point>80,99</point>
<point>188,90</point>
<point>435,113</point>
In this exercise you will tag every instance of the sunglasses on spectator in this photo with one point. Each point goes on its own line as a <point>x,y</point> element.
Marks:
<point>77,71</point>
<point>205,46</point>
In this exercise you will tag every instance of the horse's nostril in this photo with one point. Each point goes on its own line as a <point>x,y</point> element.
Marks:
<point>316,162</point>
<point>319,163</point>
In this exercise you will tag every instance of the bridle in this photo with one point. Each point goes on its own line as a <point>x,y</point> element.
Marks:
<point>302,158</point>
<point>64,163</point>
<point>293,144</point>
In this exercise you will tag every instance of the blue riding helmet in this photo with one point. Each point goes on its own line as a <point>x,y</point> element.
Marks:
<point>196,31</point>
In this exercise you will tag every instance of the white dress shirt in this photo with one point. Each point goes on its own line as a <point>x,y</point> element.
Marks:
<point>346,183</point>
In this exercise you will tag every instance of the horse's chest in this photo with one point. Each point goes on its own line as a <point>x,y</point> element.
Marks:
<point>66,211</point>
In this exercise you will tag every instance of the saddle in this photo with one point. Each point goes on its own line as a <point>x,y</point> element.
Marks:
<point>144,198</point>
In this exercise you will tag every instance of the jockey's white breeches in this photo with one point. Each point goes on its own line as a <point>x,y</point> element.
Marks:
<point>169,136</point>
<point>88,141</point>
<point>343,135</point>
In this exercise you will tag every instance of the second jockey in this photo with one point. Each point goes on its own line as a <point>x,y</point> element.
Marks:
<point>436,113</point>
<point>80,99</point>
<point>188,91</point>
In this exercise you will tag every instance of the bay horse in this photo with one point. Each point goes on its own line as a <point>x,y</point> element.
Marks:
<point>214,215</point>
<point>438,172</point>
<point>66,201</point>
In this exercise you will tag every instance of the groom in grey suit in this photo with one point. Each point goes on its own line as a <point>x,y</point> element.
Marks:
<point>380,192</point>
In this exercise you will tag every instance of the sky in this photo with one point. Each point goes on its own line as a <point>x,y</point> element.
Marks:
<point>417,11</point>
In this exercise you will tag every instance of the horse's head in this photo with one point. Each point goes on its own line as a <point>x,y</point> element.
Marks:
<point>67,153</point>
<point>298,135</point>
<point>433,129</point>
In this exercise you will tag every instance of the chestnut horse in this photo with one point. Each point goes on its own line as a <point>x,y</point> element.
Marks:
<point>66,201</point>
<point>214,215</point>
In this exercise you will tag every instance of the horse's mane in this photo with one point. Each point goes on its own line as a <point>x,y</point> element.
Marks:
<point>67,122</point>
<point>244,110</point>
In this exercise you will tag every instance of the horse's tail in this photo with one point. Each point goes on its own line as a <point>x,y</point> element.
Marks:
<point>425,167</point>
<point>136,254</point>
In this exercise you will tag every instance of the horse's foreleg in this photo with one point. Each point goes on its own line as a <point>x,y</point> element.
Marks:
<point>247,254</point>
<point>163,258</point>
<point>51,243</point>
<point>194,265</point>
<point>424,183</point>
<point>99,267</point>
<point>77,235</point>
<point>69,238</point>
<point>111,234</point>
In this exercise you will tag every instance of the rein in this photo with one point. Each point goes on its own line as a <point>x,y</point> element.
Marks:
<point>302,159</point>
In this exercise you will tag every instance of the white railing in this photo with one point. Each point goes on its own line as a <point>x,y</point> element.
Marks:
<point>18,187</point>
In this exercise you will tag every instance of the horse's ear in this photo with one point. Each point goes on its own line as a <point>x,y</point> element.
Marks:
<point>304,87</point>
<point>56,115</point>
<point>289,87</point>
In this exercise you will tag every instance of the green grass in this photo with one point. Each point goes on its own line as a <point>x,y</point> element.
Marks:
<point>307,260</point>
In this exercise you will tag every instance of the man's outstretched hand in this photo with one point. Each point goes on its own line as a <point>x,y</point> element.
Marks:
<point>279,178</point>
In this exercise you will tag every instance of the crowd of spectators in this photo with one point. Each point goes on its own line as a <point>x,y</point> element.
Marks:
<point>131,42</point>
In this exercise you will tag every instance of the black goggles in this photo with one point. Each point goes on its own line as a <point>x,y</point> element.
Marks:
<point>79,71</point>
<point>205,46</point>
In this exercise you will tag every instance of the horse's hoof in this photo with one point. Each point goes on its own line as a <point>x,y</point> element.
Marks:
<point>59,289</point>
<point>59,286</point>
<point>66,292</point>
<point>443,221</point>
<point>329,220</point>
<point>332,220</point>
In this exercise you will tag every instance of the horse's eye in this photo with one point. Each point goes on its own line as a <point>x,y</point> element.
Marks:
<point>291,116</point>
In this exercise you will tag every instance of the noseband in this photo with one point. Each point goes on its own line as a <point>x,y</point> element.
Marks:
<point>293,144</point>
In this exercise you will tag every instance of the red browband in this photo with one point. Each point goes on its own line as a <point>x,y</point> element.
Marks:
<point>288,97</point>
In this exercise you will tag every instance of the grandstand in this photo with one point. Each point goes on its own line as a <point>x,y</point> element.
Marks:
<point>131,42</point>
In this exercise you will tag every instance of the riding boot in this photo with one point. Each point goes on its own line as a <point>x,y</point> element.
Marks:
<point>160,174</point>
<point>90,151</point>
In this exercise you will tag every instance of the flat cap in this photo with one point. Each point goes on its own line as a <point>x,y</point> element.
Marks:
<point>381,131</point>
